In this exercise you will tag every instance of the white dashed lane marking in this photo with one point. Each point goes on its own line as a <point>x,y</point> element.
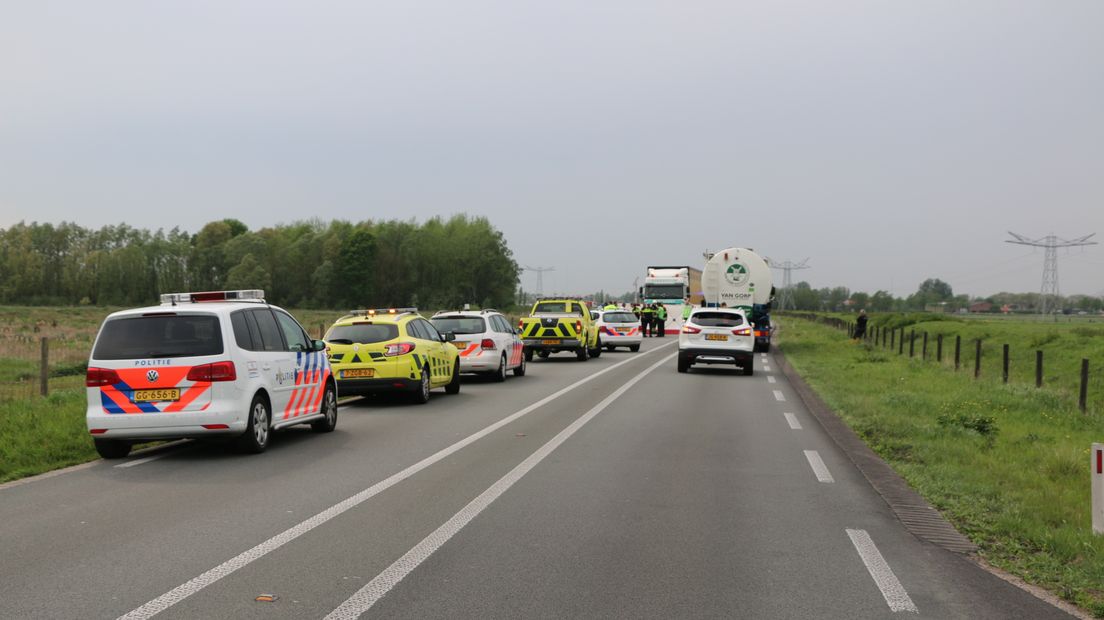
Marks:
<point>819,468</point>
<point>791,419</point>
<point>140,461</point>
<point>779,396</point>
<point>770,379</point>
<point>363,600</point>
<point>894,593</point>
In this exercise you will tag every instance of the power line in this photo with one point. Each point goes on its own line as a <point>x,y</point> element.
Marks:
<point>785,300</point>
<point>540,277</point>
<point>1050,243</point>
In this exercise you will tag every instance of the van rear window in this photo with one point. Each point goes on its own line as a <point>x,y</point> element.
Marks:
<point>138,337</point>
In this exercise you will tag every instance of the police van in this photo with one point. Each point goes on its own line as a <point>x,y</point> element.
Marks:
<point>210,364</point>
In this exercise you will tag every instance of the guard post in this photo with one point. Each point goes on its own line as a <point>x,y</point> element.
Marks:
<point>1096,462</point>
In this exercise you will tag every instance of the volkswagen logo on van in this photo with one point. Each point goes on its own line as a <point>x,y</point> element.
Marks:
<point>152,376</point>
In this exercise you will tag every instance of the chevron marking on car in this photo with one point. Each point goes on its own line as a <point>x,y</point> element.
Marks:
<point>470,349</point>
<point>118,398</point>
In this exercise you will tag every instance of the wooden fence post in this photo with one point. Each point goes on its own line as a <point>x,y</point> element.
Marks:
<point>1039,368</point>
<point>1082,402</point>
<point>901,344</point>
<point>1004,372</point>
<point>939,348</point>
<point>958,350</point>
<point>912,342</point>
<point>924,351</point>
<point>977,360</point>
<point>892,339</point>
<point>44,368</point>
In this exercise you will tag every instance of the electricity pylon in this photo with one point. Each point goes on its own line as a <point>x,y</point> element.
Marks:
<point>785,299</point>
<point>540,278</point>
<point>1050,243</point>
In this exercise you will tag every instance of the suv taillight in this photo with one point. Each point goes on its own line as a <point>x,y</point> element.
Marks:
<point>210,373</point>
<point>487,344</point>
<point>688,329</point>
<point>742,331</point>
<point>99,377</point>
<point>399,348</point>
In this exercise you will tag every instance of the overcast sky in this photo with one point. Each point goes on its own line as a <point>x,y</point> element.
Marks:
<point>886,141</point>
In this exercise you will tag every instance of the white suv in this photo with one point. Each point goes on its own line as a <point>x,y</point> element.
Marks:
<point>717,336</point>
<point>201,365</point>
<point>487,342</point>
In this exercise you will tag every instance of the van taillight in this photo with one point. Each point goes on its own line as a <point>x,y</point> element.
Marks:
<point>99,377</point>
<point>209,373</point>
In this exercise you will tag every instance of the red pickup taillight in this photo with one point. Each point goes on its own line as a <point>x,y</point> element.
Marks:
<point>99,377</point>
<point>399,348</point>
<point>578,327</point>
<point>209,373</point>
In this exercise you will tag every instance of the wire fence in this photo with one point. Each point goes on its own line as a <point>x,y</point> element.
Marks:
<point>36,365</point>
<point>975,355</point>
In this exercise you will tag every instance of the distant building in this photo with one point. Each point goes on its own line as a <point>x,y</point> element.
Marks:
<point>981,306</point>
<point>940,307</point>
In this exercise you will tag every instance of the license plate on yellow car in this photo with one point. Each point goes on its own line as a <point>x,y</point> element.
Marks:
<point>148,396</point>
<point>550,342</point>
<point>358,372</point>
<point>721,337</point>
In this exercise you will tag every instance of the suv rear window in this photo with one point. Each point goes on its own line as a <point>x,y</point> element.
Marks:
<point>460,324</point>
<point>717,319</point>
<point>362,333</point>
<point>136,337</point>
<point>620,317</point>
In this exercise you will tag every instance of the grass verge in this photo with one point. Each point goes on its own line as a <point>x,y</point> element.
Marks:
<point>1007,465</point>
<point>42,434</point>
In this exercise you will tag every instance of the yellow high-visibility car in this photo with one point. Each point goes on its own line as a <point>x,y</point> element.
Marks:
<point>388,350</point>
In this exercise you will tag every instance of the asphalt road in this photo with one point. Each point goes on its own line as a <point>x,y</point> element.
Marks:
<point>615,488</point>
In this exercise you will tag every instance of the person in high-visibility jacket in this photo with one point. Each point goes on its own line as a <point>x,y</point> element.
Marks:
<point>687,309</point>
<point>661,320</point>
<point>647,313</point>
<point>610,306</point>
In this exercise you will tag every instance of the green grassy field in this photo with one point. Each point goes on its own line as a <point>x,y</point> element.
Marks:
<point>1007,464</point>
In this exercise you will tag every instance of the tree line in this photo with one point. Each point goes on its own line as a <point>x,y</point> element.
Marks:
<point>312,264</point>
<point>932,293</point>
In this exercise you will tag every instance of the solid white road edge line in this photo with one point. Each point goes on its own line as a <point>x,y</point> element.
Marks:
<point>779,396</point>
<point>770,379</point>
<point>245,558</point>
<point>886,581</point>
<point>819,468</point>
<point>140,461</point>
<point>381,584</point>
<point>791,419</point>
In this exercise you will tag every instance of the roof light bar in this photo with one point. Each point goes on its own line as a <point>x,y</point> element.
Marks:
<point>208,296</point>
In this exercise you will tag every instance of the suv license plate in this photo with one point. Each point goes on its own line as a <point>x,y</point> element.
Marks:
<point>148,396</point>
<point>358,372</point>
<point>720,337</point>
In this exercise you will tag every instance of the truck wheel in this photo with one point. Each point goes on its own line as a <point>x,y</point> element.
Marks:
<point>597,350</point>
<point>582,353</point>
<point>111,448</point>
<point>766,348</point>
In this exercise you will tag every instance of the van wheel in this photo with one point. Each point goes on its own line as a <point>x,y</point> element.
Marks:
<point>421,393</point>
<point>329,411</point>
<point>520,370</point>
<point>500,374</point>
<point>453,386</point>
<point>111,448</point>
<point>258,429</point>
